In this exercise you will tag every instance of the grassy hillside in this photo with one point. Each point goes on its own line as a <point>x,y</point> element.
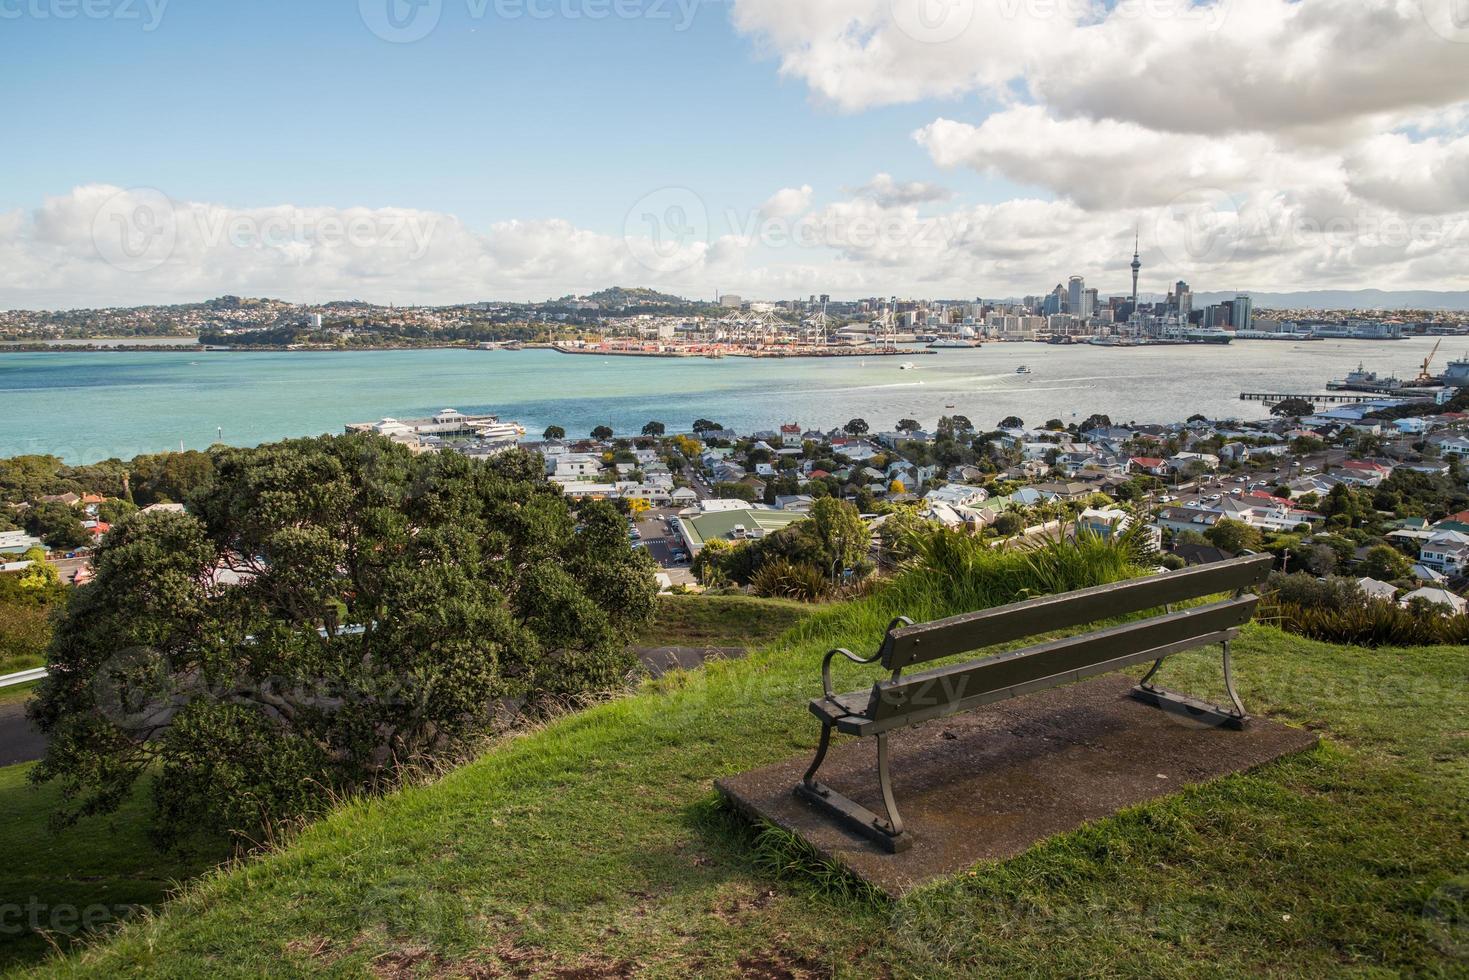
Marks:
<point>595,845</point>
<point>97,872</point>
<point>721,620</point>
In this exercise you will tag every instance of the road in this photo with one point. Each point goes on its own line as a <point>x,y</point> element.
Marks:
<point>19,739</point>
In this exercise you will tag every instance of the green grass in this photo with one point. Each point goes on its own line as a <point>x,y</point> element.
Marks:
<point>93,874</point>
<point>19,692</point>
<point>721,620</point>
<point>596,845</point>
<point>20,662</point>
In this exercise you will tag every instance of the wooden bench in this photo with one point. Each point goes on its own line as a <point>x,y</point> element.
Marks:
<point>902,702</point>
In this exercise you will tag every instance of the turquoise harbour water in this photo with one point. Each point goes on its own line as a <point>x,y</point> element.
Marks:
<point>85,406</point>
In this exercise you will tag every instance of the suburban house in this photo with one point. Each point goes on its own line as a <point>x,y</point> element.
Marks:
<point>1446,552</point>
<point>1374,589</point>
<point>17,543</point>
<point>1185,461</point>
<point>575,467</point>
<point>791,436</point>
<point>1363,472</point>
<point>1453,605</point>
<point>1110,521</point>
<point>732,525</point>
<point>957,495</point>
<point>1148,464</point>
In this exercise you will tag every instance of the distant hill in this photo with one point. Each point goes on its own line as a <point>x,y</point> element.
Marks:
<point>636,296</point>
<point>1347,299</point>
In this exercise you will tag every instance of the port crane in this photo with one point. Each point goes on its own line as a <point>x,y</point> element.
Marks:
<point>1423,373</point>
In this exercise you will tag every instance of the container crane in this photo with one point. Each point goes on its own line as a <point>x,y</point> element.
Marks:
<point>1424,377</point>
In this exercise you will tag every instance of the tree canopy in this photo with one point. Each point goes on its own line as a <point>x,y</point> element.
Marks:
<point>1293,408</point>
<point>329,608</point>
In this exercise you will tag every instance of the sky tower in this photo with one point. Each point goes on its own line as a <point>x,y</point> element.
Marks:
<point>1137,267</point>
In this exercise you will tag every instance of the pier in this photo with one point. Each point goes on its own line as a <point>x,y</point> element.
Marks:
<point>1357,398</point>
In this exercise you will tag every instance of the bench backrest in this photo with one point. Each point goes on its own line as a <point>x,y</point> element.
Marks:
<point>1005,624</point>
<point>946,690</point>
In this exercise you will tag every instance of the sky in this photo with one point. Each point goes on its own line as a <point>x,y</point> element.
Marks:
<point>438,151</point>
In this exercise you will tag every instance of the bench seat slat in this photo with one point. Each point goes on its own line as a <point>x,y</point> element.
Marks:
<point>948,690</point>
<point>1006,624</point>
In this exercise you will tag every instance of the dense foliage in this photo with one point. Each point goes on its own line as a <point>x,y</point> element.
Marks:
<point>808,559</point>
<point>1337,611</point>
<point>26,606</point>
<point>328,609</point>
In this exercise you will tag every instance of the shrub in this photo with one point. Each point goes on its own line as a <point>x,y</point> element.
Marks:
<point>1372,623</point>
<point>782,579</point>
<point>1333,594</point>
<point>980,576</point>
<point>1335,610</point>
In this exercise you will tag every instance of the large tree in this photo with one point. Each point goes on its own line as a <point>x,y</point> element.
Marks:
<point>856,427</point>
<point>554,432</point>
<point>57,524</point>
<point>843,536</point>
<point>329,608</point>
<point>1293,408</point>
<point>1234,536</point>
<point>654,429</point>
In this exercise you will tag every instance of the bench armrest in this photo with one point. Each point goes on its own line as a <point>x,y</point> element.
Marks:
<point>826,690</point>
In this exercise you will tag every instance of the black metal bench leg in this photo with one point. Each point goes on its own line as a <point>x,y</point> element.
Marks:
<point>1193,708</point>
<point>810,778</point>
<point>885,783</point>
<point>886,832</point>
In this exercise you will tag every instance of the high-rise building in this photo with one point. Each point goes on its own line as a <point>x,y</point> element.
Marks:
<point>1183,300</point>
<point>1242,314</point>
<point>1089,303</point>
<point>1076,296</point>
<point>1055,302</point>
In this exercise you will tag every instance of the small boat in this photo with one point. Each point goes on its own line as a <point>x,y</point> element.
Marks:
<point>1022,369</point>
<point>907,366</point>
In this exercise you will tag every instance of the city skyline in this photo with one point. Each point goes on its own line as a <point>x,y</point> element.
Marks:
<point>442,152</point>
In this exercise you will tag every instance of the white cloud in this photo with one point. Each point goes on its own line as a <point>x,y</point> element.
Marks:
<point>890,193</point>
<point>787,203</point>
<point>1258,143</point>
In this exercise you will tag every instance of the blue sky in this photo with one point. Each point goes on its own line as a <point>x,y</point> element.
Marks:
<point>486,118</point>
